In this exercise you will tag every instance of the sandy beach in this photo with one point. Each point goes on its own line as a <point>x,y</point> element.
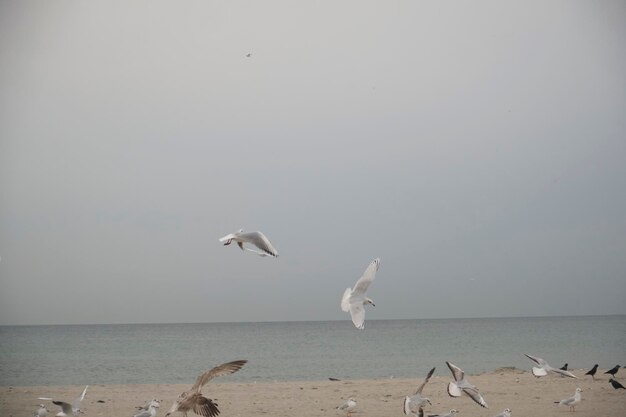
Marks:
<point>504,388</point>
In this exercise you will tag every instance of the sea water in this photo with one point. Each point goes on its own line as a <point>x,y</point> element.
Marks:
<point>288,351</point>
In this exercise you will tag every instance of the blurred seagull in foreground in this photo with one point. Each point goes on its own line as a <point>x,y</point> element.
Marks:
<point>257,239</point>
<point>69,409</point>
<point>505,413</point>
<point>461,385</point>
<point>452,413</point>
<point>42,411</point>
<point>544,367</point>
<point>354,300</point>
<point>151,411</point>
<point>348,406</point>
<point>571,401</point>
<point>193,400</point>
<point>415,404</point>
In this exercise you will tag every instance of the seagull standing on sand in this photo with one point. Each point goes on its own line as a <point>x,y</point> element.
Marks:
<point>461,385</point>
<point>354,300</point>
<point>452,413</point>
<point>593,371</point>
<point>571,401</point>
<point>42,411</point>
<point>193,400</point>
<point>613,370</point>
<point>505,413</point>
<point>151,411</point>
<point>616,384</point>
<point>257,239</point>
<point>69,409</point>
<point>348,406</point>
<point>415,404</point>
<point>544,367</point>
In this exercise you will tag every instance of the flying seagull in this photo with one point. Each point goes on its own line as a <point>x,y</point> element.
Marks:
<point>461,384</point>
<point>571,401</point>
<point>613,370</point>
<point>616,384</point>
<point>151,411</point>
<point>593,371</point>
<point>415,404</point>
<point>348,406</point>
<point>354,300</point>
<point>452,413</point>
<point>193,400</point>
<point>544,367</point>
<point>69,409</point>
<point>257,239</point>
<point>505,413</point>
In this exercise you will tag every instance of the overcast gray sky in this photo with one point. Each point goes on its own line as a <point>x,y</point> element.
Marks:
<point>477,148</point>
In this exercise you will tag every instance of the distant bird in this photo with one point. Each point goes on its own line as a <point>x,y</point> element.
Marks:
<point>249,54</point>
<point>616,384</point>
<point>461,384</point>
<point>452,413</point>
<point>193,400</point>
<point>593,371</point>
<point>354,300</point>
<point>571,401</point>
<point>42,411</point>
<point>415,404</point>
<point>69,409</point>
<point>257,239</point>
<point>613,370</point>
<point>333,379</point>
<point>505,413</point>
<point>564,367</point>
<point>544,367</point>
<point>348,406</point>
<point>151,411</point>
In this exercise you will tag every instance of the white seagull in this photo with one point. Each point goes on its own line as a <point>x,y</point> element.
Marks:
<point>348,406</point>
<point>151,411</point>
<point>452,413</point>
<point>354,300</point>
<point>505,413</point>
<point>415,404</point>
<point>69,409</point>
<point>193,400</point>
<point>257,239</point>
<point>544,367</point>
<point>42,411</point>
<point>461,385</point>
<point>571,401</point>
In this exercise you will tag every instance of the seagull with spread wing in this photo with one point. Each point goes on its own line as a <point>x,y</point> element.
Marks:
<point>68,409</point>
<point>257,239</point>
<point>544,367</point>
<point>193,400</point>
<point>354,299</point>
<point>415,404</point>
<point>460,385</point>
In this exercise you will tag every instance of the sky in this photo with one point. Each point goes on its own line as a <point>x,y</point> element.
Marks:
<point>477,148</point>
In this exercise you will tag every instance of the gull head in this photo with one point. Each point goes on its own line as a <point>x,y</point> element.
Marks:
<point>370,301</point>
<point>579,389</point>
<point>453,411</point>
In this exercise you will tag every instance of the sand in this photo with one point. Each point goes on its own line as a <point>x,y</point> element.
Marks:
<point>518,390</point>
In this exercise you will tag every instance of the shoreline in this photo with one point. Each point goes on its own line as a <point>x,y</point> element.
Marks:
<point>512,388</point>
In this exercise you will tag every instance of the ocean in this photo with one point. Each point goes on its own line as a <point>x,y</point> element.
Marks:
<point>288,351</point>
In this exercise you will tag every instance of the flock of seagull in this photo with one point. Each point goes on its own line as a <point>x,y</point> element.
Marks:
<point>353,301</point>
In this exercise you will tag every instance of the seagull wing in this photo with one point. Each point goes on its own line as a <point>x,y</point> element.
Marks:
<point>200,405</point>
<point>143,414</point>
<point>457,372</point>
<point>79,399</point>
<point>66,407</point>
<point>475,395</point>
<point>345,300</point>
<point>224,369</point>
<point>357,312</point>
<point>366,279</point>
<point>542,363</point>
<point>564,373</point>
<point>259,240</point>
<point>421,387</point>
